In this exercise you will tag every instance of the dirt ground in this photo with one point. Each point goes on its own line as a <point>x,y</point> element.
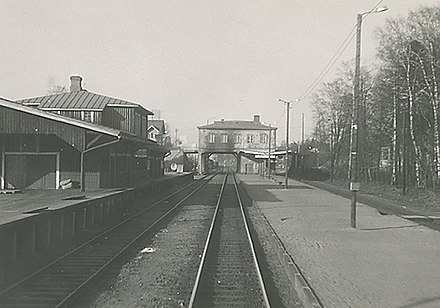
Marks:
<point>162,274</point>
<point>419,199</point>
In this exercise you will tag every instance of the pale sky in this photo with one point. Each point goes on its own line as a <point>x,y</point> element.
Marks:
<point>195,61</point>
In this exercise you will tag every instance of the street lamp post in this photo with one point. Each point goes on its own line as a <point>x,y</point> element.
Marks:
<point>270,141</point>
<point>354,143</point>
<point>286,160</point>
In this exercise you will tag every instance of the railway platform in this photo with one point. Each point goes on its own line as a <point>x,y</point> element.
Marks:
<point>387,261</point>
<point>34,220</point>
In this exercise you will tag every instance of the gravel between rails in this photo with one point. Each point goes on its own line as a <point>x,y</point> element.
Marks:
<point>164,276</point>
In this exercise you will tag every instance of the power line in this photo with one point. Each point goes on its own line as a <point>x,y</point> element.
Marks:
<point>282,115</point>
<point>336,56</point>
<point>330,64</point>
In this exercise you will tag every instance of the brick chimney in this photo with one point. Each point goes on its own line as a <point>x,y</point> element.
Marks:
<point>75,83</point>
<point>256,118</point>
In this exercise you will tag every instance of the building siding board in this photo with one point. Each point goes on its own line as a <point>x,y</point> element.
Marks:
<point>25,167</point>
<point>120,118</point>
<point>67,139</point>
<point>14,122</point>
<point>98,117</point>
<point>127,116</point>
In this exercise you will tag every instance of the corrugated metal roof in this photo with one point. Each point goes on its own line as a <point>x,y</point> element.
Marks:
<point>79,100</point>
<point>78,123</point>
<point>59,118</point>
<point>246,125</point>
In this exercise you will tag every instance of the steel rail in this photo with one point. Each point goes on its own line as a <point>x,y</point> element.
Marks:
<point>106,232</point>
<point>252,246</point>
<point>208,243</point>
<point>205,250</point>
<point>71,295</point>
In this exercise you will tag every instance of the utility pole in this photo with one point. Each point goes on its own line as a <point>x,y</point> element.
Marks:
<point>302,145</point>
<point>354,144</point>
<point>354,184</point>
<point>302,130</point>
<point>404,153</point>
<point>286,158</point>
<point>270,143</point>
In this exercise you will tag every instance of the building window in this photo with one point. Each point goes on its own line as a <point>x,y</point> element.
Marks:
<point>224,138</point>
<point>211,138</point>
<point>250,138</point>
<point>238,138</point>
<point>263,138</point>
<point>87,116</point>
<point>152,135</point>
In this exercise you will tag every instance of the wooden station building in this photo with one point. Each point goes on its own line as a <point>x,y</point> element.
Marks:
<point>90,139</point>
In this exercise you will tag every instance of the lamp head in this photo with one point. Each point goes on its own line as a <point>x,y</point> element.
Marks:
<point>381,9</point>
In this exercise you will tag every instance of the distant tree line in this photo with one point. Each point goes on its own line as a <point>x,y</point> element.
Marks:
<point>399,118</point>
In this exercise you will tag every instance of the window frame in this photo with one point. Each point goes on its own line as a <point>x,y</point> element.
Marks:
<point>250,138</point>
<point>224,138</point>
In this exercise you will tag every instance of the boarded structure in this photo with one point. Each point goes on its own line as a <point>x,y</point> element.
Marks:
<point>80,136</point>
<point>178,161</point>
<point>157,131</point>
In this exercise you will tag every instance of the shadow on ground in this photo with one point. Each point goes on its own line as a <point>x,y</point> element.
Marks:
<point>262,192</point>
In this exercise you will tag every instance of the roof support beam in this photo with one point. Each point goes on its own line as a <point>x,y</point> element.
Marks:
<point>93,141</point>
<point>82,162</point>
<point>83,172</point>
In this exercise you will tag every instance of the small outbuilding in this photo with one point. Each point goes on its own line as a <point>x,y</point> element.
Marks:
<point>178,161</point>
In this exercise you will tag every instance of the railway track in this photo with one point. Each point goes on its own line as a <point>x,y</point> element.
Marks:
<point>229,273</point>
<point>59,283</point>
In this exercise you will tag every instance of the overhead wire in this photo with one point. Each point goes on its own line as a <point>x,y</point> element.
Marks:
<point>336,56</point>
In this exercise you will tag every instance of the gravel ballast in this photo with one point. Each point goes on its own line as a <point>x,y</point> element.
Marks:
<point>163,272</point>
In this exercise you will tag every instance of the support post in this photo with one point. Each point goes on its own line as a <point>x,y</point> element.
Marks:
<point>83,173</point>
<point>3,164</point>
<point>354,184</point>
<point>33,237</point>
<point>14,245</point>
<point>404,153</point>
<point>286,158</point>
<point>270,144</point>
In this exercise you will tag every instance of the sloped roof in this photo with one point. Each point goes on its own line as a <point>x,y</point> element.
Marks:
<point>159,124</point>
<point>175,154</point>
<point>78,123</point>
<point>78,100</point>
<point>245,125</point>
